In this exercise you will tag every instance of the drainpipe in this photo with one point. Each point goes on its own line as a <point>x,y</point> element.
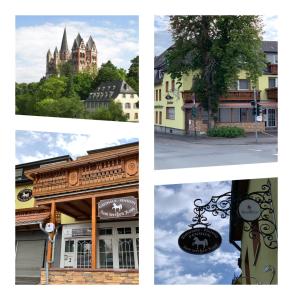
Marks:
<point>53,249</point>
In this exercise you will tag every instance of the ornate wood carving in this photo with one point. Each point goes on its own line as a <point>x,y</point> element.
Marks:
<point>86,176</point>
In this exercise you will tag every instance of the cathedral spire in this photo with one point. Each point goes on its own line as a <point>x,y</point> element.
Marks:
<point>64,45</point>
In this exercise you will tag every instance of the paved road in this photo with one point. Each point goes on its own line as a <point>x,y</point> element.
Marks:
<point>184,152</point>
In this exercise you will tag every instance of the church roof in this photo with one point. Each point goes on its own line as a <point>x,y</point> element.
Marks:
<point>56,50</point>
<point>90,43</point>
<point>64,45</point>
<point>77,42</point>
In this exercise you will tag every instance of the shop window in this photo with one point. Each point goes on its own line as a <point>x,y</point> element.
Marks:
<point>106,254</point>
<point>126,254</point>
<point>69,246</point>
<point>170,113</point>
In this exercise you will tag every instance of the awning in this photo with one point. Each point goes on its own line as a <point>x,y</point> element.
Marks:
<point>264,104</point>
<point>31,216</point>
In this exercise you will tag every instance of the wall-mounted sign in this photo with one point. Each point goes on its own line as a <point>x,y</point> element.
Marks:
<point>199,240</point>
<point>249,210</point>
<point>25,195</point>
<point>117,208</point>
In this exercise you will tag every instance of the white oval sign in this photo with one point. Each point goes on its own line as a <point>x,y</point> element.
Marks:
<point>249,210</point>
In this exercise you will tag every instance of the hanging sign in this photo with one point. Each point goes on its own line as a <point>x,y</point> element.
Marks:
<point>117,208</point>
<point>249,210</point>
<point>199,240</point>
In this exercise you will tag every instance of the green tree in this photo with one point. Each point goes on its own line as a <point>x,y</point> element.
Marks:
<point>215,49</point>
<point>83,84</point>
<point>108,72</point>
<point>53,87</point>
<point>133,74</point>
<point>113,112</point>
<point>63,107</point>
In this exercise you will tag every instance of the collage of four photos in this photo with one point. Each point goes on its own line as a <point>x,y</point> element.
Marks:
<point>77,195</point>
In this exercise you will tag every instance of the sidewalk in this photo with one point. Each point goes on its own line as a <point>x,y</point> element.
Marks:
<point>247,140</point>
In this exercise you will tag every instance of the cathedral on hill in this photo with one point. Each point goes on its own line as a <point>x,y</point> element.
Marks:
<point>82,57</point>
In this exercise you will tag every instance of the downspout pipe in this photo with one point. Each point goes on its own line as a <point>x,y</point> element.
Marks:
<point>50,240</point>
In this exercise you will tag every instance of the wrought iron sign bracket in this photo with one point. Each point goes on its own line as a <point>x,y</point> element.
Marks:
<point>257,213</point>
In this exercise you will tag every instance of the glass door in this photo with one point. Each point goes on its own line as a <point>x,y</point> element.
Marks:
<point>271,117</point>
<point>84,254</point>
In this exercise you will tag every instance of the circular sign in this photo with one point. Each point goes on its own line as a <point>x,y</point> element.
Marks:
<point>25,195</point>
<point>249,210</point>
<point>199,240</point>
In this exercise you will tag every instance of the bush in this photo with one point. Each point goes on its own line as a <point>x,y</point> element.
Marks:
<point>229,132</point>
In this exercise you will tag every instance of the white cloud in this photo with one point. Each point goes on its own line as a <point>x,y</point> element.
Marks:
<point>270,28</point>
<point>204,278</point>
<point>32,43</point>
<point>161,23</point>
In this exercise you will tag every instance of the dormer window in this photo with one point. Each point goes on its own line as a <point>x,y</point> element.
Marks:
<point>272,58</point>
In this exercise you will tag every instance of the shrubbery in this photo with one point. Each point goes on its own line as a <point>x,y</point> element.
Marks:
<point>226,131</point>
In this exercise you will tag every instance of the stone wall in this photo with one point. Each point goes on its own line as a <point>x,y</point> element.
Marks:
<point>248,127</point>
<point>87,276</point>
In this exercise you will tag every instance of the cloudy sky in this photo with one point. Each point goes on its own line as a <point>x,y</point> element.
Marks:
<point>173,213</point>
<point>116,38</point>
<point>33,145</point>
<point>163,37</point>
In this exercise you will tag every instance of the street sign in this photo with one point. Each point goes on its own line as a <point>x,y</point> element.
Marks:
<point>249,210</point>
<point>199,240</point>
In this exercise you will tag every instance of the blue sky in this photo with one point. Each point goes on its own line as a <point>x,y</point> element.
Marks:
<point>163,38</point>
<point>116,38</point>
<point>173,213</point>
<point>35,145</point>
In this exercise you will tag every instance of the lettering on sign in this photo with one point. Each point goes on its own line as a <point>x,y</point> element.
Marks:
<point>25,195</point>
<point>117,208</point>
<point>199,240</point>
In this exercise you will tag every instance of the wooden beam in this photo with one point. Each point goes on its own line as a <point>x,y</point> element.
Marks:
<point>52,220</point>
<point>94,232</point>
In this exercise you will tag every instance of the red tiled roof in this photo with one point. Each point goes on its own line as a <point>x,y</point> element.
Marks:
<point>30,217</point>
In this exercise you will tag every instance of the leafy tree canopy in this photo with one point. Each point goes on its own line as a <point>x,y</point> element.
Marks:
<point>113,112</point>
<point>218,48</point>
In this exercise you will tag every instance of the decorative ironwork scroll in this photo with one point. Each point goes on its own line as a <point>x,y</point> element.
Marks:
<point>267,227</point>
<point>218,205</point>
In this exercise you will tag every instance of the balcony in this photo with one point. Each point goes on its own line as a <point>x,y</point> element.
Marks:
<point>273,69</point>
<point>272,93</point>
<point>238,95</point>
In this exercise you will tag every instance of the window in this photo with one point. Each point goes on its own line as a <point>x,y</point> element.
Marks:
<point>124,95</point>
<point>126,254</point>
<point>127,105</point>
<point>105,231</point>
<point>69,246</point>
<point>131,95</point>
<point>170,113</point>
<point>160,95</point>
<point>235,115</point>
<point>243,84</point>
<point>84,253</point>
<point>273,82</point>
<point>156,95</point>
<point>136,116</point>
<point>18,173</point>
<point>156,117</point>
<point>160,117</point>
<point>127,115</point>
<point>136,105</point>
<point>106,254</point>
<point>167,86</point>
<point>173,85</point>
<point>124,230</point>
<point>272,58</point>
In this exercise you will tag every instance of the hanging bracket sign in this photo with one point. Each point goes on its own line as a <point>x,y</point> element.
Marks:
<point>249,210</point>
<point>199,240</point>
<point>117,208</point>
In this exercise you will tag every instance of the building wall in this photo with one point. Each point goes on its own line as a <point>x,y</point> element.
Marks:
<point>264,256</point>
<point>85,276</point>
<point>130,99</point>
